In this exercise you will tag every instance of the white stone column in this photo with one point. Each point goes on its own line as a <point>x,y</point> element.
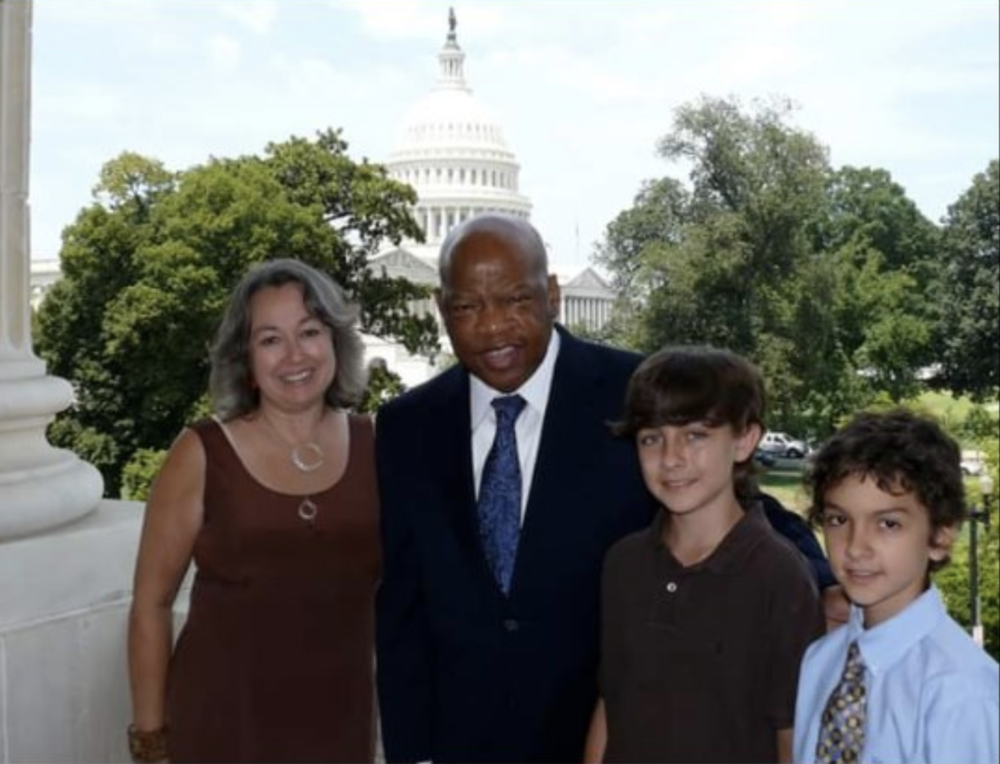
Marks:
<point>40,486</point>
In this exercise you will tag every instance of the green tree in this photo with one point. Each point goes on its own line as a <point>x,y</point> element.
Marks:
<point>140,472</point>
<point>383,385</point>
<point>886,250</point>
<point>630,249</point>
<point>865,207</point>
<point>819,276</point>
<point>979,424</point>
<point>148,267</point>
<point>882,322</point>
<point>725,263</point>
<point>953,580</point>
<point>658,214</point>
<point>968,293</point>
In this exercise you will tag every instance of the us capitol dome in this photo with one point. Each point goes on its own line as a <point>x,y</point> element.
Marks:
<point>451,150</point>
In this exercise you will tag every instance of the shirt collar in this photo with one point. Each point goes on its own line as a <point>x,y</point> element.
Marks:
<point>535,390</point>
<point>881,646</point>
<point>737,544</point>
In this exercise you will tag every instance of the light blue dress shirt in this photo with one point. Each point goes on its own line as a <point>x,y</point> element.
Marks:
<point>933,694</point>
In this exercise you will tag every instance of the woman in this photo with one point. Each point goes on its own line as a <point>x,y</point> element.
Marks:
<point>275,500</point>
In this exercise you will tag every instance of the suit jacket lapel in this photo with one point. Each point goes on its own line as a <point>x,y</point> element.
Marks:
<point>453,458</point>
<point>563,456</point>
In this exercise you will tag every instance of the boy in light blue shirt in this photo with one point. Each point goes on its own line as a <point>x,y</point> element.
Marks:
<point>901,682</point>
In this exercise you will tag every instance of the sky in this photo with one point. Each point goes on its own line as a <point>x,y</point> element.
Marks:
<point>582,88</point>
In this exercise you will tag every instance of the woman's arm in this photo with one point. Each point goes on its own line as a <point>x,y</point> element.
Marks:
<point>174,515</point>
<point>597,735</point>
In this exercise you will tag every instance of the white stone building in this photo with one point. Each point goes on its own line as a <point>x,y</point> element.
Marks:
<point>44,273</point>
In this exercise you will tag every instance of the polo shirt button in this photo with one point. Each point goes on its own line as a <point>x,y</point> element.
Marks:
<point>671,587</point>
<point>511,624</point>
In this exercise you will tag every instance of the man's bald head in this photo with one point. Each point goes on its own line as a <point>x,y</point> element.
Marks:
<point>496,226</point>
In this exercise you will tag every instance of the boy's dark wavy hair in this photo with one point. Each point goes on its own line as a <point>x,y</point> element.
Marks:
<point>901,451</point>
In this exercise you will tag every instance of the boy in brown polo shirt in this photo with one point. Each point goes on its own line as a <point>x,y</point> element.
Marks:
<point>706,614</point>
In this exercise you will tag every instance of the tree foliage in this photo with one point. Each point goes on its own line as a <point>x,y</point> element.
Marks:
<point>383,385</point>
<point>968,294</point>
<point>149,265</point>
<point>818,275</point>
<point>954,581</point>
<point>140,472</point>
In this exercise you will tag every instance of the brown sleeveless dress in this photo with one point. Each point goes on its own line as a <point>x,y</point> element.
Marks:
<point>275,661</point>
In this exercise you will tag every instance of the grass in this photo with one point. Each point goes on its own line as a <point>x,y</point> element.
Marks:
<point>784,480</point>
<point>785,484</point>
<point>948,406</point>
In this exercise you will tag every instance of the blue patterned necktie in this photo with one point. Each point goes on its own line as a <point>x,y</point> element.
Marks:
<point>500,493</point>
<point>842,728</point>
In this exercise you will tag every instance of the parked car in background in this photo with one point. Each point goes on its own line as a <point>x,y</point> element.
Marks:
<point>765,458</point>
<point>972,462</point>
<point>782,444</point>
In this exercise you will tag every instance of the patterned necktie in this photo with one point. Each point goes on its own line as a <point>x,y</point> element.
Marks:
<point>500,493</point>
<point>842,729</point>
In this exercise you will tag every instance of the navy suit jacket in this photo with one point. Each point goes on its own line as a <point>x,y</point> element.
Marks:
<point>465,673</point>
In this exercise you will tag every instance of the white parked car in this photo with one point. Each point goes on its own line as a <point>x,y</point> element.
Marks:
<point>782,444</point>
<point>972,462</point>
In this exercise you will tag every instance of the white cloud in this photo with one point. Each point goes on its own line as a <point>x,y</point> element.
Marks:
<point>568,70</point>
<point>425,19</point>
<point>255,15</point>
<point>397,19</point>
<point>76,102</point>
<point>318,78</point>
<point>224,52</point>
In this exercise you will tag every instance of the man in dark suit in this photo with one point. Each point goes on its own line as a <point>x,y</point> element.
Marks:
<point>478,662</point>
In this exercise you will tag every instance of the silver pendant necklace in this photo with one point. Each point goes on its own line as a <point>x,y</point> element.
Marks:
<point>308,511</point>
<point>305,457</point>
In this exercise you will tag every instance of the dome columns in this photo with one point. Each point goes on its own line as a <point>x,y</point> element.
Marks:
<point>452,151</point>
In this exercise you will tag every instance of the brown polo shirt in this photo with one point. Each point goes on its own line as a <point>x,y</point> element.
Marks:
<point>700,663</point>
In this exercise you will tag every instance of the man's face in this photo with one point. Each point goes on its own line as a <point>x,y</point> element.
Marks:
<point>498,309</point>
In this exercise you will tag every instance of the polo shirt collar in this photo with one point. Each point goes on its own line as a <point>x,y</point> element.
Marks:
<point>728,556</point>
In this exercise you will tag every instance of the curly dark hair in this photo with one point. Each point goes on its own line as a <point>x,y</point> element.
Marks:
<point>696,383</point>
<point>903,452</point>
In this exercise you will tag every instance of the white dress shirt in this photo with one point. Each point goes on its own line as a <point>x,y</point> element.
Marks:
<point>529,424</point>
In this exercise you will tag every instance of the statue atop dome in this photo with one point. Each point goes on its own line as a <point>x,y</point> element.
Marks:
<point>452,23</point>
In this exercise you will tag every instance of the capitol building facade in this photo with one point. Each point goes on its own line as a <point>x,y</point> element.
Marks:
<point>451,150</point>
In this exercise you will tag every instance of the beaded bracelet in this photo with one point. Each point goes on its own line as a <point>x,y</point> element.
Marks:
<point>147,747</point>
